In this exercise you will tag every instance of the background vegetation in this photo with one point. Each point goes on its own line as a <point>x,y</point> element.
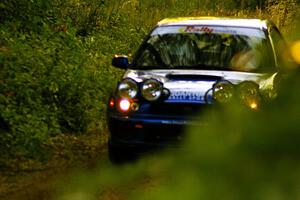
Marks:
<point>55,66</point>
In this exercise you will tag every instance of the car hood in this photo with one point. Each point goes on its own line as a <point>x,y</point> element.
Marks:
<point>194,86</point>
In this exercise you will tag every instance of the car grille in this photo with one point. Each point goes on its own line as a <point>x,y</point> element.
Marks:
<point>178,109</point>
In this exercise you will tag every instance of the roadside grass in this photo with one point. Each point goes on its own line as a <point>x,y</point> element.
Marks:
<point>63,151</point>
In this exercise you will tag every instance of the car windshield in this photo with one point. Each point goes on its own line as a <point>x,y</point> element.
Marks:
<point>205,47</point>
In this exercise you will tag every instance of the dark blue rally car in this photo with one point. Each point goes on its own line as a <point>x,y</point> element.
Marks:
<point>183,67</point>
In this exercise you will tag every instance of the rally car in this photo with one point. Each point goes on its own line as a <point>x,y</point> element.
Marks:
<point>184,67</point>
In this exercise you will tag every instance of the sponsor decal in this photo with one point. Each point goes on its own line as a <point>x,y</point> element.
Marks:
<point>210,30</point>
<point>186,96</point>
<point>194,29</point>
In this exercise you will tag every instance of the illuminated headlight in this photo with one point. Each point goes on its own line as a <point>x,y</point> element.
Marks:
<point>128,88</point>
<point>248,92</point>
<point>124,105</point>
<point>152,90</point>
<point>223,91</point>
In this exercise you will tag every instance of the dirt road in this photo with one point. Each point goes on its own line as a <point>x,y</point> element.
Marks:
<point>31,180</point>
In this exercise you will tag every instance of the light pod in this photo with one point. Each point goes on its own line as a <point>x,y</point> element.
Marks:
<point>127,88</point>
<point>248,92</point>
<point>223,91</point>
<point>152,89</point>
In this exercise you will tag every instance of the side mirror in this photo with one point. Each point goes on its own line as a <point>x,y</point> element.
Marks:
<point>120,61</point>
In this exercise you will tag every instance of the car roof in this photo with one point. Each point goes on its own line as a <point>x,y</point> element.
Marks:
<point>215,21</point>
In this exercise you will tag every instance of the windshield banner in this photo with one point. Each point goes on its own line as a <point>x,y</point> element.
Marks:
<point>209,29</point>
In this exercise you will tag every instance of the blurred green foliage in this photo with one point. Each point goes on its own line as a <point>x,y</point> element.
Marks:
<point>55,59</point>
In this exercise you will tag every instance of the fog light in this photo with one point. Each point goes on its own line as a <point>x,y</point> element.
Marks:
<point>135,106</point>
<point>124,105</point>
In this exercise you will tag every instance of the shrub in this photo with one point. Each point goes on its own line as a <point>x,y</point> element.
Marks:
<point>46,87</point>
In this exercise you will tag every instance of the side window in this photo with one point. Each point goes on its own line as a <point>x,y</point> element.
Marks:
<point>278,44</point>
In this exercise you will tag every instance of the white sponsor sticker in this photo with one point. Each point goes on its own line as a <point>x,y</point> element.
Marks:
<point>186,96</point>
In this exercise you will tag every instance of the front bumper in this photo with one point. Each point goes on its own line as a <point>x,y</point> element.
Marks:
<point>148,131</point>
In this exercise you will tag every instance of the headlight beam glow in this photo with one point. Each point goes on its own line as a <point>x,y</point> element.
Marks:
<point>124,105</point>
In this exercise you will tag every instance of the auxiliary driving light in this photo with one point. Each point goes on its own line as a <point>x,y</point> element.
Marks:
<point>135,106</point>
<point>223,91</point>
<point>249,93</point>
<point>248,90</point>
<point>152,90</point>
<point>127,88</point>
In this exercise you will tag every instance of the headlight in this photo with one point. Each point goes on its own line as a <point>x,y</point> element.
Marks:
<point>223,91</point>
<point>248,92</point>
<point>152,89</point>
<point>128,88</point>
